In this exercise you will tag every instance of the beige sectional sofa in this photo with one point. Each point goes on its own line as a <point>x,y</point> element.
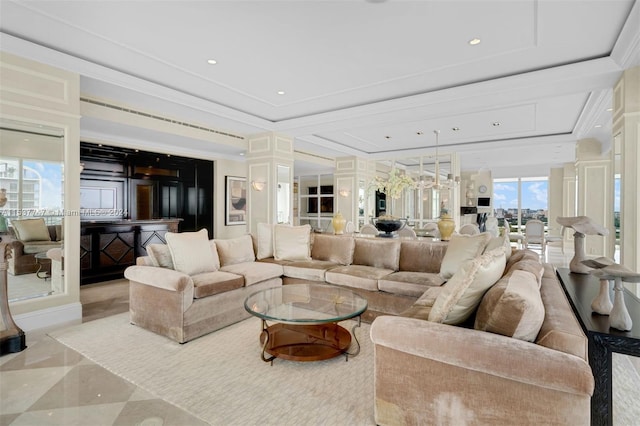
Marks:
<point>30,237</point>
<point>465,332</point>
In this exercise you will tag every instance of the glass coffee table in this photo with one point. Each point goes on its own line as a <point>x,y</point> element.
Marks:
<point>305,321</point>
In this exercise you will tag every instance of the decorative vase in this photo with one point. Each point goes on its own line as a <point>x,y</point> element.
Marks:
<point>338,222</point>
<point>602,303</point>
<point>446,226</point>
<point>388,226</point>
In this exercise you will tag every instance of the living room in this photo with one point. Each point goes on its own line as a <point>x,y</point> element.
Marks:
<point>217,119</point>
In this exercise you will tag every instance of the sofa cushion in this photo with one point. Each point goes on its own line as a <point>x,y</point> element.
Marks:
<point>190,252</point>
<point>335,249</point>
<point>264,241</point>
<point>512,307</point>
<point>461,295</point>
<point>210,283</point>
<point>532,266</point>
<point>409,283</point>
<point>34,247</point>
<point>235,250</point>
<point>519,255</point>
<point>254,272</point>
<point>160,255</point>
<point>292,242</point>
<point>422,307</point>
<point>357,276</point>
<point>461,249</point>
<point>560,330</point>
<point>421,256</point>
<point>31,230</point>
<point>376,252</point>
<point>313,270</point>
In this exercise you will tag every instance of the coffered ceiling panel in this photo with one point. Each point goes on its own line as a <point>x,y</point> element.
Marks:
<point>340,76</point>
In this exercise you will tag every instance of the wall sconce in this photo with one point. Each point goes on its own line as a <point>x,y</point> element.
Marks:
<point>344,192</point>
<point>257,185</point>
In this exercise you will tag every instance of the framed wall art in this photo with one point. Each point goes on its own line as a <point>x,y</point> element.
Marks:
<point>235,200</point>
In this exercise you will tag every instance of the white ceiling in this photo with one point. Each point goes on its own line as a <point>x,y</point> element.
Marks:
<point>360,77</point>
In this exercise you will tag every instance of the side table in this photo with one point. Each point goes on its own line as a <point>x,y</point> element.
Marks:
<point>581,289</point>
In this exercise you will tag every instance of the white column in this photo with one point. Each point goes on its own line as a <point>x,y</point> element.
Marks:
<point>626,128</point>
<point>350,174</point>
<point>269,164</point>
<point>595,193</point>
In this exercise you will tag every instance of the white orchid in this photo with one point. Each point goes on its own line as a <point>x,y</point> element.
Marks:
<point>394,185</point>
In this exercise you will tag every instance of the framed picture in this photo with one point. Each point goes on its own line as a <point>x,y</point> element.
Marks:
<point>235,200</point>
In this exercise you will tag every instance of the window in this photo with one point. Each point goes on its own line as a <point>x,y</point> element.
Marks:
<point>521,199</point>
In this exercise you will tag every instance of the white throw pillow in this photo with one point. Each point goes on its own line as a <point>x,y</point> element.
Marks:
<point>460,249</point>
<point>191,252</point>
<point>292,242</point>
<point>160,255</point>
<point>235,250</point>
<point>462,294</point>
<point>265,241</point>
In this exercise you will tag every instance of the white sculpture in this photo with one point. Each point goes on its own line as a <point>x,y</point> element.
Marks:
<point>619,317</point>
<point>582,225</point>
<point>602,302</point>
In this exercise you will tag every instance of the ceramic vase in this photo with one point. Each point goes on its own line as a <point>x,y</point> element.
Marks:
<point>602,302</point>
<point>446,226</point>
<point>338,222</point>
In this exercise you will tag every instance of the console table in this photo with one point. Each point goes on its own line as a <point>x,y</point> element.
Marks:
<point>581,289</point>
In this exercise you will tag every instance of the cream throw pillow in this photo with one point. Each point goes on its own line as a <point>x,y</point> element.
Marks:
<point>235,250</point>
<point>264,244</point>
<point>461,295</point>
<point>460,249</point>
<point>513,307</point>
<point>31,230</point>
<point>191,252</point>
<point>292,242</point>
<point>160,255</point>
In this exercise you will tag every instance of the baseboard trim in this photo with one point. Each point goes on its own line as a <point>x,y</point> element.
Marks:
<point>50,317</point>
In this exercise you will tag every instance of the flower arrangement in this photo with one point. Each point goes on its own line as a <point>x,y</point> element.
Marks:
<point>394,185</point>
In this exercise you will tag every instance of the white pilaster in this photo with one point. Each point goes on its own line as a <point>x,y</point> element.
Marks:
<point>267,152</point>
<point>626,129</point>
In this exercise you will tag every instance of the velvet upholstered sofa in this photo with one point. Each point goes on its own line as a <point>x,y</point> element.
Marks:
<point>465,332</point>
<point>30,237</point>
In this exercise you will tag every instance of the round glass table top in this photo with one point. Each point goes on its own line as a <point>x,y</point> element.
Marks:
<point>305,304</point>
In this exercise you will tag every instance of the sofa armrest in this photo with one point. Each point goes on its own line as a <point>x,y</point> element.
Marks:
<point>484,352</point>
<point>167,279</point>
<point>17,248</point>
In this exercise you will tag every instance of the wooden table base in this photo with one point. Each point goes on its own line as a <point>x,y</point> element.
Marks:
<point>304,342</point>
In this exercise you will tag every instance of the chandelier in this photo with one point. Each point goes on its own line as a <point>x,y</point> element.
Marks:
<point>436,183</point>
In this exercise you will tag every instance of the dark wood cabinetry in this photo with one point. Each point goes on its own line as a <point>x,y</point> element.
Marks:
<point>108,248</point>
<point>131,198</point>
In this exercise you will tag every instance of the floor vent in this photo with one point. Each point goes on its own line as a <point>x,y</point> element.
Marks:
<point>157,117</point>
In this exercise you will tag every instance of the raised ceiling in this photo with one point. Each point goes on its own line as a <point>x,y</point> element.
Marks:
<point>365,78</point>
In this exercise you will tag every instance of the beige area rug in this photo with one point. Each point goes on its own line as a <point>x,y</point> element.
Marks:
<point>221,378</point>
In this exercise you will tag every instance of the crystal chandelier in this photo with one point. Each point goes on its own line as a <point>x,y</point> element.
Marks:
<point>436,183</point>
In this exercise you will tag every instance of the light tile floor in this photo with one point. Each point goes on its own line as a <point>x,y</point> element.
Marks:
<point>50,384</point>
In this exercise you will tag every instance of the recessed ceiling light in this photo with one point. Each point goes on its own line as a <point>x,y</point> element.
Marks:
<point>212,61</point>
<point>597,126</point>
<point>387,137</point>
<point>280,92</point>
<point>609,109</point>
<point>474,41</point>
<point>419,133</point>
<point>455,129</point>
<point>495,123</point>
<point>242,153</point>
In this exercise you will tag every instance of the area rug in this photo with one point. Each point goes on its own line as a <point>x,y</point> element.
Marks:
<point>221,379</point>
